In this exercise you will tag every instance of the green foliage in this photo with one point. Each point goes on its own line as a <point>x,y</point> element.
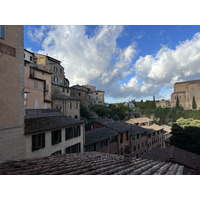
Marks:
<point>84,113</point>
<point>117,112</point>
<point>194,105</point>
<point>186,134</point>
<point>146,105</point>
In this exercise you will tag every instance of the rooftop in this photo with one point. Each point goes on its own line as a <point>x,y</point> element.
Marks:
<point>189,82</point>
<point>139,120</point>
<point>175,155</point>
<point>99,134</point>
<point>88,163</point>
<point>39,124</point>
<point>118,126</point>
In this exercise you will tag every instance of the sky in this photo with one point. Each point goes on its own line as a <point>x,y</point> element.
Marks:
<point>127,62</point>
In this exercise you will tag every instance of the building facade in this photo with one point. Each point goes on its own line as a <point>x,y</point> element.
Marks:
<point>37,84</point>
<point>185,91</point>
<point>12,139</point>
<point>52,135</point>
<point>163,103</point>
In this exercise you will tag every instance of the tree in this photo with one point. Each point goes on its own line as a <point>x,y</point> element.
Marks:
<point>84,112</point>
<point>154,102</point>
<point>194,105</point>
<point>177,103</point>
<point>186,135</point>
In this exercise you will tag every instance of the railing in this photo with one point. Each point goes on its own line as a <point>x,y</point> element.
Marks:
<point>42,112</point>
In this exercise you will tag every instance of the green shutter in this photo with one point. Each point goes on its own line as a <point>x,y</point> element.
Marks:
<point>33,142</point>
<point>43,140</point>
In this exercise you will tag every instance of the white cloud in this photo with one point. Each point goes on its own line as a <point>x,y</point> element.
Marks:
<point>97,60</point>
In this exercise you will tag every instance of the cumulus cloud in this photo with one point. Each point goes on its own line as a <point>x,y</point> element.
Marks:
<point>98,60</point>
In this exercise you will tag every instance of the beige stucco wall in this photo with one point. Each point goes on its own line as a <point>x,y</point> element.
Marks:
<point>12,139</point>
<point>49,148</point>
<point>65,107</point>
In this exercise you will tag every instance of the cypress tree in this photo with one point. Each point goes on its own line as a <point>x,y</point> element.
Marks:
<point>177,103</point>
<point>194,104</point>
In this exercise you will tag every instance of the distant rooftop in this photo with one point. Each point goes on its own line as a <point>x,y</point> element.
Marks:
<point>139,120</point>
<point>190,82</point>
<point>88,163</point>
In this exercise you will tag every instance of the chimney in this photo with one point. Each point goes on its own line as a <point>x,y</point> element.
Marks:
<point>127,153</point>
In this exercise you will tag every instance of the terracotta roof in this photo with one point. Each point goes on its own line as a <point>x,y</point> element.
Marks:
<point>118,126</point>
<point>34,125</point>
<point>175,155</point>
<point>88,163</point>
<point>139,120</point>
<point>153,127</point>
<point>99,134</point>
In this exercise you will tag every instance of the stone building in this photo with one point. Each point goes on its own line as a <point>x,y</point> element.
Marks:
<point>82,93</point>
<point>37,84</point>
<point>96,96</point>
<point>163,103</point>
<point>185,91</point>
<point>50,135</point>
<point>70,106</point>
<point>12,138</point>
<point>101,139</point>
<point>123,130</point>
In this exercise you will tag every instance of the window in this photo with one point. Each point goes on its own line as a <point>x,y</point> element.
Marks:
<point>2,32</point>
<point>38,141</point>
<point>138,146</point>
<point>142,144</point>
<point>134,148</point>
<point>57,153</point>
<point>72,132</point>
<point>79,94</point>
<point>45,105</point>
<point>55,69</point>
<point>133,137</point>
<point>61,81</point>
<point>55,79</point>
<point>70,105</point>
<point>35,85</point>
<point>104,143</point>
<point>31,58</point>
<point>67,90</point>
<point>113,139</point>
<point>76,105</point>
<point>63,89</point>
<point>137,136</point>
<point>73,149</point>
<point>36,104</point>
<point>97,93</point>
<point>42,73</point>
<point>56,137</point>
<point>96,98</point>
<point>121,138</point>
<point>61,71</point>
<point>126,135</point>
<point>24,55</point>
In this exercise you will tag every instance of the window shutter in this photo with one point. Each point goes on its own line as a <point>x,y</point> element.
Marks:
<point>43,140</point>
<point>60,139</point>
<point>33,142</point>
<point>52,138</point>
<point>66,133</point>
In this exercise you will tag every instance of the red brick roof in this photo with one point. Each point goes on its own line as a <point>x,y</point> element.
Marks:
<point>88,163</point>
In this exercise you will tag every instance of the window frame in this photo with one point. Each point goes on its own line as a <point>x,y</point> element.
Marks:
<point>56,136</point>
<point>38,138</point>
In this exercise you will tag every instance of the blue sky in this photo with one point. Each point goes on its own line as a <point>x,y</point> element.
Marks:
<point>127,62</point>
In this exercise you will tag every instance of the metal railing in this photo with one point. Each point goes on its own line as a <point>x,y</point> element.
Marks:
<point>42,112</point>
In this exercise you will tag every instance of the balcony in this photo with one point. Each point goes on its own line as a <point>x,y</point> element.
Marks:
<point>46,88</point>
